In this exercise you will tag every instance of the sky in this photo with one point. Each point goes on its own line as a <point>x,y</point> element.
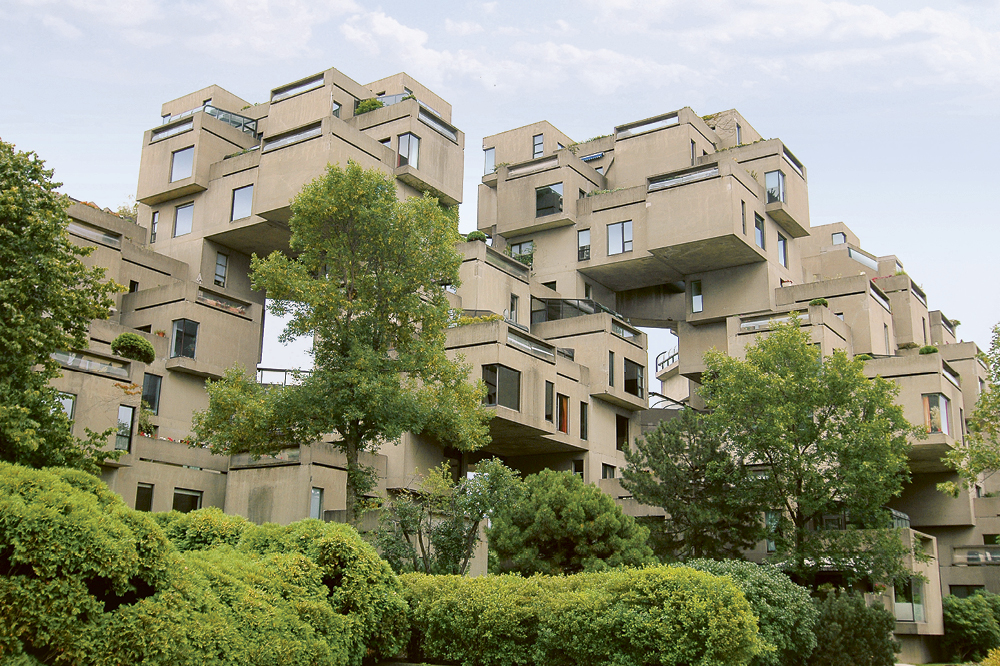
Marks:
<point>892,106</point>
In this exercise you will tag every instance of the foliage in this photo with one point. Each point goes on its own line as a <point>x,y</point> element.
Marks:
<point>863,357</point>
<point>133,346</point>
<point>465,321</point>
<point>786,614</point>
<point>435,530</point>
<point>928,349</point>
<point>47,300</point>
<point>129,210</point>
<point>145,424</point>
<point>366,284</point>
<point>823,440</point>
<point>476,236</point>
<point>203,529</point>
<point>992,658</point>
<point>657,615</point>
<point>820,301</point>
<point>970,627</point>
<point>366,105</point>
<point>695,479</point>
<point>850,633</point>
<point>564,525</point>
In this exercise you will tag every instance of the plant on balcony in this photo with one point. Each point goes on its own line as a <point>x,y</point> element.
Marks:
<point>928,349</point>
<point>366,105</point>
<point>134,347</point>
<point>160,332</point>
<point>477,236</point>
<point>863,357</point>
<point>820,301</point>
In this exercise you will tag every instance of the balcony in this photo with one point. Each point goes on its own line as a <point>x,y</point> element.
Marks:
<point>92,364</point>
<point>975,556</point>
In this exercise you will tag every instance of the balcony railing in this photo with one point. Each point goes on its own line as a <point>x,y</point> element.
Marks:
<point>280,376</point>
<point>975,555</point>
<point>666,359</point>
<point>92,364</point>
<point>552,309</point>
<point>242,123</point>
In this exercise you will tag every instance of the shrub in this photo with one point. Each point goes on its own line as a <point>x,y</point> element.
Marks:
<point>785,611</point>
<point>928,349</point>
<point>819,301</point>
<point>992,658</point>
<point>476,236</point>
<point>851,633</point>
<point>133,346</point>
<point>366,105</point>
<point>203,529</point>
<point>864,357</point>
<point>970,629</point>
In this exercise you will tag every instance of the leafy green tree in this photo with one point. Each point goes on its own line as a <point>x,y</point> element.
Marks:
<point>851,633</point>
<point>970,626</point>
<point>367,282</point>
<point>824,441</point>
<point>563,525</point>
<point>47,299</point>
<point>687,472</point>
<point>435,530</point>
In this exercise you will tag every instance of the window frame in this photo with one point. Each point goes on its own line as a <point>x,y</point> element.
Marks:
<point>144,486</point>
<point>71,397</point>
<point>611,368</point>
<point>697,297</point>
<point>550,412</point>
<point>497,379</point>
<point>153,224</point>
<point>154,406</point>
<point>774,187</point>
<point>638,383</point>
<point>490,161</point>
<point>412,150</point>
<point>621,438</point>
<point>782,250</point>
<point>608,471</point>
<point>584,420</point>
<point>238,196</point>
<point>562,413</point>
<point>537,145</point>
<point>220,279</point>
<point>555,192</point>
<point>759,232</point>
<point>623,230</point>
<point>582,250</point>
<point>944,414</point>
<point>188,152</point>
<point>123,435</point>
<point>188,492</point>
<point>174,353</point>
<point>316,508</point>
<point>190,221</point>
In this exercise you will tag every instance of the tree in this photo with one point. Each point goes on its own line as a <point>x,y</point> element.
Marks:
<point>688,473</point>
<point>564,526</point>
<point>367,282</point>
<point>851,633</point>
<point>435,530</point>
<point>47,299</point>
<point>825,443</point>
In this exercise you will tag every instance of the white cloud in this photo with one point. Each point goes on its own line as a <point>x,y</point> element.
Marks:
<point>462,28</point>
<point>61,27</point>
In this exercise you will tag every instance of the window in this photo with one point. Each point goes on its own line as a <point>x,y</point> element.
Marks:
<point>965,591</point>
<point>151,391</point>
<point>301,134</point>
<point>739,134</point>
<point>503,386</point>
<point>923,322</point>
<point>584,425</point>
<point>936,413</point>
<point>588,290</point>
<point>523,251</point>
<point>743,212</point>
<point>782,250</point>
<point>697,300</point>
<point>185,338</point>
<point>694,152</point>
<point>620,237</point>
<point>839,238</point>
<point>550,285</point>
<point>562,412</point>
<point>186,500</point>
<point>409,150</point>
<point>183,218</point>
<point>621,432</point>
<point>908,600</point>
<point>152,226</point>
<point>599,170</point>
<point>991,539</point>
<point>221,266</point>
<point>578,468</point>
<point>126,417</point>
<point>583,245</point>
<point>133,286</point>
<point>513,308</point>
<point>387,142</point>
<point>885,332</point>
<point>758,230</point>
<point>335,109</point>
<point>491,161</point>
<point>549,391</point>
<point>607,471</point>
<point>634,379</point>
<point>774,182</point>
<point>548,200</point>
<point>771,521</point>
<point>611,368</point>
<point>316,503</point>
<point>144,497</point>
<point>68,403</point>
<point>181,164</point>
<point>242,202</point>
<point>537,143</point>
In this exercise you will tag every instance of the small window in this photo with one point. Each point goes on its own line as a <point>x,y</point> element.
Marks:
<point>758,231</point>
<point>607,471</point>
<point>68,403</point>
<point>549,396</point>
<point>620,237</point>
<point>513,308</point>
<point>523,251</point>
<point>774,182</point>
<point>782,251</point>
<point>885,332</point>
<point>550,285</point>
<point>578,468</point>
<point>588,291</point>
<point>584,424</point>
<point>548,200</point>
<point>133,286</point>
<point>186,500</point>
<point>409,150</point>
<point>923,323</point>
<point>839,238</point>
<point>771,521</point>
<point>316,503</point>
<point>335,109</point>
<point>743,211</point>
<point>144,497</point>
<point>503,386</point>
<point>621,432</point>
<point>185,338</point>
<point>151,391</point>
<point>936,413</point>
<point>221,268</point>
<point>583,245</point>
<point>562,412</point>
<point>183,219</point>
<point>697,300</point>
<point>537,143</point>
<point>599,170</point>
<point>694,152</point>
<point>387,141</point>
<point>126,419</point>
<point>583,194</point>
<point>181,164</point>
<point>152,226</point>
<point>635,383</point>
<point>491,161</point>
<point>242,202</point>
<point>611,368</point>
<point>739,134</point>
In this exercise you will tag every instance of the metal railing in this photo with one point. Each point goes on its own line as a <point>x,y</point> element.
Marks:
<point>976,555</point>
<point>666,359</point>
<point>280,376</point>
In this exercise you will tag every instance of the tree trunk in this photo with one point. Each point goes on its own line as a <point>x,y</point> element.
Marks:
<point>351,450</point>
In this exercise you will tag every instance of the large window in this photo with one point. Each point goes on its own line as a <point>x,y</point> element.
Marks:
<point>562,412</point>
<point>181,164</point>
<point>183,219</point>
<point>583,245</point>
<point>697,299</point>
<point>908,600</point>
<point>409,150</point>
<point>549,398</point>
<point>242,203</point>
<point>503,386</point>
<point>491,161</point>
<point>548,200</point>
<point>634,379</point>
<point>126,419</point>
<point>758,230</point>
<point>782,250</point>
<point>221,269</point>
<point>936,413</point>
<point>621,432</point>
<point>316,503</point>
<point>151,391</point>
<point>185,338</point>
<point>774,181</point>
<point>537,145</point>
<point>186,500</point>
<point>584,420</point>
<point>152,226</point>
<point>144,497</point>
<point>620,237</point>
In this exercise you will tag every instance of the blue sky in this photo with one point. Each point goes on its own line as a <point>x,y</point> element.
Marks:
<point>893,106</point>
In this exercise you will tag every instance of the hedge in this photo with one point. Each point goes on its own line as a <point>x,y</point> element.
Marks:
<point>133,346</point>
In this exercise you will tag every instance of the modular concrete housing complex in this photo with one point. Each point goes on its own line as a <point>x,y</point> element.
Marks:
<point>692,223</point>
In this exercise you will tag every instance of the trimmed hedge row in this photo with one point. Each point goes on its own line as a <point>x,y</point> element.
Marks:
<point>657,615</point>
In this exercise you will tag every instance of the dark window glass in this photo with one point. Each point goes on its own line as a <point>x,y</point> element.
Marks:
<point>126,417</point>
<point>185,338</point>
<point>549,392</point>
<point>221,268</point>
<point>758,230</point>
<point>153,225</point>
<point>607,471</point>
<point>186,501</point>
<point>611,368</point>
<point>548,200</point>
<point>634,379</point>
<point>584,425</point>
<point>562,412</point>
<point>578,468</point>
<point>621,432</point>
<point>537,143</point>
<point>503,386</point>
<point>144,497</point>
<point>151,391</point>
<point>583,245</point>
